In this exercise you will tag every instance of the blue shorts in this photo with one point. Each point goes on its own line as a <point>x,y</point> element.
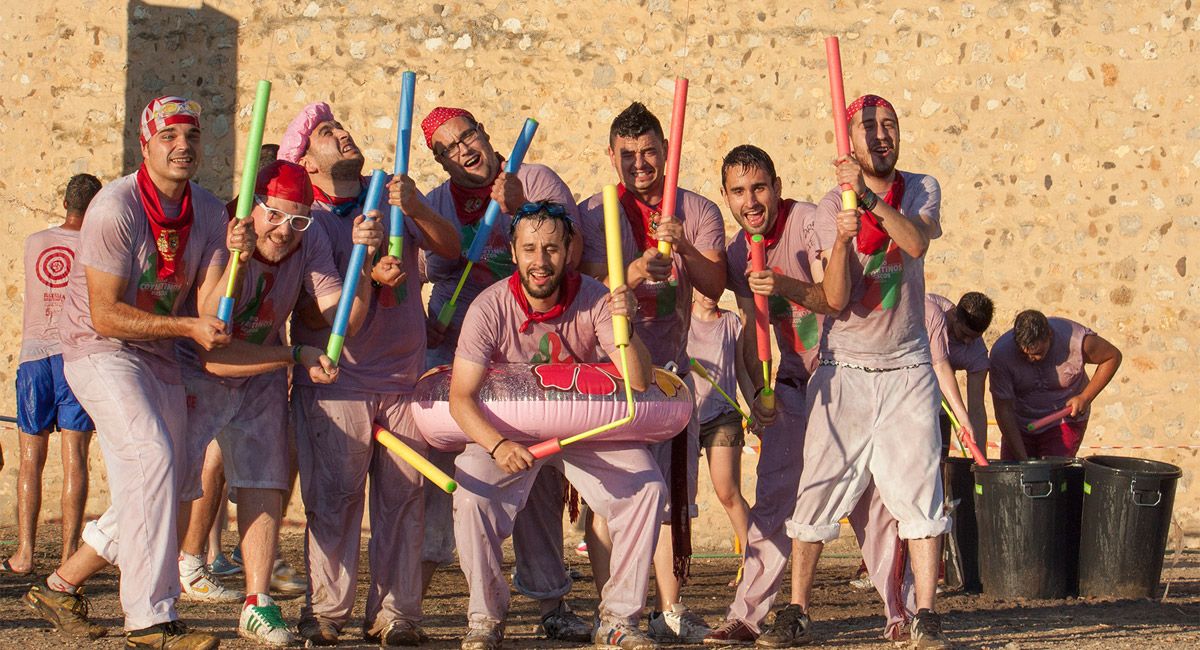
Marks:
<point>45,401</point>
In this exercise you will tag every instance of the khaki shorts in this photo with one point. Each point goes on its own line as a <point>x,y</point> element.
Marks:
<point>725,430</point>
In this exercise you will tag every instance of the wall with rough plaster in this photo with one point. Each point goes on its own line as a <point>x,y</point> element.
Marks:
<point>1065,134</point>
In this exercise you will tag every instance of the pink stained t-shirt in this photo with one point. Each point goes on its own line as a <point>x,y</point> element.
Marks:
<point>797,329</point>
<point>387,354</point>
<point>664,308</point>
<point>540,183</point>
<point>1039,389</point>
<point>269,293</point>
<point>713,343</point>
<point>939,333</point>
<point>116,239</point>
<point>883,326</point>
<point>971,357</point>
<point>582,334</point>
<point>49,255</point>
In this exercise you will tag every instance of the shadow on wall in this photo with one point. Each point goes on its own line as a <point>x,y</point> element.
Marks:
<point>191,51</point>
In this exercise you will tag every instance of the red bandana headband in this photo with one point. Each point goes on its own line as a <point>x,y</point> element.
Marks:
<point>867,101</point>
<point>439,116</point>
<point>165,111</point>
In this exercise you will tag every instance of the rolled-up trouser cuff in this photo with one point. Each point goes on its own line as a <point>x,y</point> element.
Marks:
<point>924,528</point>
<point>558,592</point>
<point>105,546</point>
<point>813,533</point>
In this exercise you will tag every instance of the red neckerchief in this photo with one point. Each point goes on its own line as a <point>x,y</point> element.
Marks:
<point>566,295</point>
<point>872,237</point>
<point>341,205</point>
<point>170,235</point>
<point>642,217</point>
<point>781,217</point>
<point>470,203</point>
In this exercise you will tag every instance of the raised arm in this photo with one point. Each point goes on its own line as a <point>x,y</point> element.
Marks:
<point>441,236</point>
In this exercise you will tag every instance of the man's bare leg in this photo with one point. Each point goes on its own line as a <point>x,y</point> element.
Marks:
<point>805,556</point>
<point>259,511</point>
<point>29,497</point>
<point>75,487</point>
<point>203,511</point>
<point>925,556</point>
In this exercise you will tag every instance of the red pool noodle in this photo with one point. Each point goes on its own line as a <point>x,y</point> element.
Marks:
<point>841,130</point>
<point>758,262</point>
<point>675,148</point>
<point>1041,423</point>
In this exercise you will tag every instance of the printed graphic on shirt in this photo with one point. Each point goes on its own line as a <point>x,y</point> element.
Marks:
<point>658,299</point>
<point>796,324</point>
<point>255,321</point>
<point>54,266</point>
<point>154,295</point>
<point>552,350</point>
<point>495,262</point>
<point>883,274</point>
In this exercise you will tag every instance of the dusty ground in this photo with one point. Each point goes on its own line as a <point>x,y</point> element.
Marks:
<point>845,618</point>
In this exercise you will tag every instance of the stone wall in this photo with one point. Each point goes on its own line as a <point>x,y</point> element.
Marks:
<point>1065,134</point>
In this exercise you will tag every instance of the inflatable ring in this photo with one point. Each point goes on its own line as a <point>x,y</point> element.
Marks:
<point>529,403</point>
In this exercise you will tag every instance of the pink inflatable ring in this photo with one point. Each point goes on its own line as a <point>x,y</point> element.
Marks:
<point>529,403</point>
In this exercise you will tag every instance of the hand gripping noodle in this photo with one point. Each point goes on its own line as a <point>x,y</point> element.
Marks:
<point>358,255</point>
<point>980,458</point>
<point>762,323</point>
<point>245,201</point>
<point>408,84</point>
<point>489,219</point>
<point>1042,423</point>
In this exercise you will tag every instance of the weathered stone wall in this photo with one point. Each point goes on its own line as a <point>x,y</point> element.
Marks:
<point>1065,134</point>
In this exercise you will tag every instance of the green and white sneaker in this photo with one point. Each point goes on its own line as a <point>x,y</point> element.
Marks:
<point>263,622</point>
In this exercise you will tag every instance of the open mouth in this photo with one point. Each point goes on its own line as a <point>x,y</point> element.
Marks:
<point>349,147</point>
<point>540,277</point>
<point>472,161</point>
<point>182,161</point>
<point>755,218</point>
<point>881,150</point>
<point>643,175</point>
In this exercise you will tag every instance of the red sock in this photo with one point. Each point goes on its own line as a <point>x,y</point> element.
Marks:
<point>251,600</point>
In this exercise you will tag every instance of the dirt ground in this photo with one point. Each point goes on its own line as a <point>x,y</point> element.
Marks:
<point>845,618</point>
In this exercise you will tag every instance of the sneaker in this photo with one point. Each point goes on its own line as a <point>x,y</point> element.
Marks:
<point>862,584</point>
<point>285,581</point>
<point>731,632</point>
<point>564,625</point>
<point>581,549</point>
<point>263,622</point>
<point>789,629</point>
<point>620,636</point>
<point>398,633</point>
<point>318,631</point>
<point>201,586</point>
<point>488,638</point>
<point>170,636</point>
<point>222,567</point>
<point>927,631</point>
<point>67,612</point>
<point>680,625</point>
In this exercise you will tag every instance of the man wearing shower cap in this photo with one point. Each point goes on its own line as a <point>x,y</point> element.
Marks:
<point>239,393</point>
<point>149,241</point>
<point>463,147</point>
<point>875,344</point>
<point>379,366</point>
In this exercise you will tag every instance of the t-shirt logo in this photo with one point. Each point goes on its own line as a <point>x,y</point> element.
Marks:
<point>797,326</point>
<point>154,295</point>
<point>658,299</point>
<point>254,322</point>
<point>551,350</point>
<point>54,266</point>
<point>883,274</point>
<point>168,243</point>
<point>495,262</point>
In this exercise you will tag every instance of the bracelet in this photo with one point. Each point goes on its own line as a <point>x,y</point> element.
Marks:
<point>296,352</point>
<point>869,199</point>
<point>492,453</point>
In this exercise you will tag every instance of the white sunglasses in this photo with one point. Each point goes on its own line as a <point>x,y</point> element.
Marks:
<point>277,217</point>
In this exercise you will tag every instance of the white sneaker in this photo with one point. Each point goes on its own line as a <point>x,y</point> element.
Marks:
<point>264,623</point>
<point>680,625</point>
<point>201,586</point>
<point>285,581</point>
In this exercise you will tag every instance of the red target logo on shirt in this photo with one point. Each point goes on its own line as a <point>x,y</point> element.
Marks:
<point>54,266</point>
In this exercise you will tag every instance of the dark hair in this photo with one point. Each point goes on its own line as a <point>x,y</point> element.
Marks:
<point>80,191</point>
<point>267,155</point>
<point>634,122</point>
<point>975,311</point>
<point>541,212</point>
<point>1030,328</point>
<point>747,156</point>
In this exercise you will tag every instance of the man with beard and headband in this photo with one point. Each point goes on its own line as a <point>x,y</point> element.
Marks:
<point>873,399</point>
<point>753,192</point>
<point>148,239</point>
<point>379,366</point>
<point>663,286</point>
<point>463,147</point>
<point>543,303</point>
<point>242,398</point>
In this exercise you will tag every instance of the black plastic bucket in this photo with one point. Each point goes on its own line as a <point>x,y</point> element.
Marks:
<point>1022,509</point>
<point>961,549</point>
<point>1127,507</point>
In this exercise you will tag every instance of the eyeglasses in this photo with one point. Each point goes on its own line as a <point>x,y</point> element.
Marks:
<point>451,149</point>
<point>277,217</point>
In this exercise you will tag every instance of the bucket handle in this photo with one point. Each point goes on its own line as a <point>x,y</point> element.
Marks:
<point>1025,487</point>
<point>1137,500</point>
